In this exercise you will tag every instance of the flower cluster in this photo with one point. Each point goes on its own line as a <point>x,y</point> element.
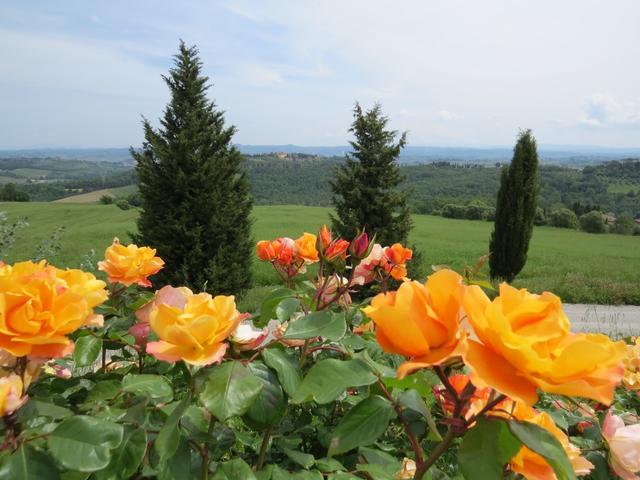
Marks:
<point>520,342</point>
<point>370,261</point>
<point>288,256</point>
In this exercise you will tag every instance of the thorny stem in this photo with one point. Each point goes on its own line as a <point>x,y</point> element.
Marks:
<point>263,448</point>
<point>205,451</point>
<point>455,429</point>
<point>415,445</point>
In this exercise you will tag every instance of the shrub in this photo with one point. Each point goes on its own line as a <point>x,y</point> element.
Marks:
<point>135,199</point>
<point>122,204</point>
<point>179,384</point>
<point>592,222</point>
<point>540,218</point>
<point>451,210</point>
<point>623,225</point>
<point>106,199</point>
<point>564,218</point>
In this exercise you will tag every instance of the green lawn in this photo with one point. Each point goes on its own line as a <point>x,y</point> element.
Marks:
<point>580,267</point>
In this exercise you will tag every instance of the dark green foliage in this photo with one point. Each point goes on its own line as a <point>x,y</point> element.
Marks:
<point>592,222</point>
<point>367,192</point>
<point>623,226</point>
<point>106,199</point>
<point>122,204</point>
<point>564,218</point>
<point>515,210</point>
<point>540,217</point>
<point>195,195</point>
<point>11,193</point>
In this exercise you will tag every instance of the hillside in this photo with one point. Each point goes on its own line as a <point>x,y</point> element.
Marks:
<point>578,266</point>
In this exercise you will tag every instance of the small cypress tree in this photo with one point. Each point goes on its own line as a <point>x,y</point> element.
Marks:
<point>366,188</point>
<point>515,210</point>
<point>195,196</point>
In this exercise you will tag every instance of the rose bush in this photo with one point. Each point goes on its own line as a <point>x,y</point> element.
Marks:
<point>349,370</point>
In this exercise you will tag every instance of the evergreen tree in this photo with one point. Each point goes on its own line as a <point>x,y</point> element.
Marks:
<point>515,210</point>
<point>366,189</point>
<point>195,196</point>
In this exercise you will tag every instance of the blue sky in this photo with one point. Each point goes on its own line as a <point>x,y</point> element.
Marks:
<point>80,73</point>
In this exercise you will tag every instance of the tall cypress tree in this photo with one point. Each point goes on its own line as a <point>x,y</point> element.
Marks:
<point>195,196</point>
<point>515,210</point>
<point>366,188</point>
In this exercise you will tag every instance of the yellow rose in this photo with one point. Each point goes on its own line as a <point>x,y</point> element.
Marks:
<point>193,327</point>
<point>40,305</point>
<point>305,248</point>
<point>129,264</point>
<point>631,380</point>
<point>524,344</point>
<point>10,394</point>
<point>421,322</point>
<point>531,465</point>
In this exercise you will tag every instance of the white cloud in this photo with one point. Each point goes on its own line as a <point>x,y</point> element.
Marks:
<point>448,115</point>
<point>604,110</point>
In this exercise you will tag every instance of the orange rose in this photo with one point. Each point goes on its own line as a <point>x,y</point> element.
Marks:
<point>40,305</point>
<point>524,343</point>
<point>305,248</point>
<point>421,322</point>
<point>266,250</point>
<point>11,397</point>
<point>631,380</point>
<point>325,237</point>
<point>192,327</point>
<point>336,250</point>
<point>130,264</point>
<point>398,256</point>
<point>531,465</point>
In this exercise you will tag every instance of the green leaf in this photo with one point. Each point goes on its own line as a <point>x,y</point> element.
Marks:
<point>412,400</point>
<point>104,390</point>
<point>329,378</point>
<point>286,367</point>
<point>270,303</point>
<point>478,461</point>
<point>155,387</point>
<point>281,474</point>
<point>126,459</point>
<point>87,350</point>
<point>286,308</point>
<point>167,441</point>
<point>230,390</point>
<point>362,425</point>
<point>39,408</point>
<point>27,463</point>
<point>326,324</point>
<point>544,444</point>
<point>235,469</point>
<point>84,443</point>
<point>329,465</point>
<point>269,406</point>
<point>305,460</point>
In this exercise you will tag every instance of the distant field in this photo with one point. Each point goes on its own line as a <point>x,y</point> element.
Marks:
<point>580,267</point>
<point>94,197</point>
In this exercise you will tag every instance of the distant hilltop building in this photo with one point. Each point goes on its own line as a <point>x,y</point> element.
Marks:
<point>282,156</point>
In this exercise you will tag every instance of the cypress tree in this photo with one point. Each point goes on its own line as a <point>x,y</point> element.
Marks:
<point>195,196</point>
<point>366,188</point>
<point>515,210</point>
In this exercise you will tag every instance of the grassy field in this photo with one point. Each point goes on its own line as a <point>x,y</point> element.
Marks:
<point>580,267</point>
